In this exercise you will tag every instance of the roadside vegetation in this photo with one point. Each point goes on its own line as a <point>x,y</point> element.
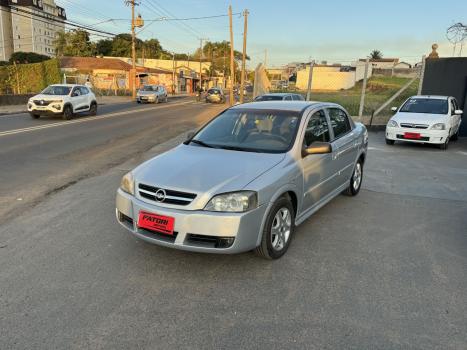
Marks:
<point>379,89</point>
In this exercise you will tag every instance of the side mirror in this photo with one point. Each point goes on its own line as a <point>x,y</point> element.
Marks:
<point>458,111</point>
<point>317,148</point>
<point>394,109</point>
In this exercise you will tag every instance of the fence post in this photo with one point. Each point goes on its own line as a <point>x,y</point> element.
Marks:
<point>362,97</point>
<point>310,80</point>
<point>422,75</point>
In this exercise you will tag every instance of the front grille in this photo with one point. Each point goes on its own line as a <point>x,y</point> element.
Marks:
<point>171,196</point>
<point>41,102</point>
<point>402,137</point>
<point>414,126</point>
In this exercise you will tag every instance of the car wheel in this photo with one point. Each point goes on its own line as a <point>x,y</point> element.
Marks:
<point>389,142</point>
<point>156,101</point>
<point>138,101</point>
<point>166,99</point>
<point>278,230</point>
<point>34,116</point>
<point>444,146</point>
<point>93,109</point>
<point>455,137</point>
<point>355,180</point>
<point>67,112</point>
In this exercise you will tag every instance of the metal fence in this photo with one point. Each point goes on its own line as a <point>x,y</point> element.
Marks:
<point>366,92</point>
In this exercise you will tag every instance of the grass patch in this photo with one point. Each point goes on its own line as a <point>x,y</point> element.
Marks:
<point>379,90</point>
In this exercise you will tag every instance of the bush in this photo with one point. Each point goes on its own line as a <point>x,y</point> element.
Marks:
<point>26,78</point>
<point>27,57</point>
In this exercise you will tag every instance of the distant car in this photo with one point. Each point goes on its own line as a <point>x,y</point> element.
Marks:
<point>425,119</point>
<point>151,94</point>
<point>246,179</point>
<point>279,97</point>
<point>63,100</point>
<point>215,95</point>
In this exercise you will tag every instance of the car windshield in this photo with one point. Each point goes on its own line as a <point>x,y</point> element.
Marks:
<point>250,130</point>
<point>57,90</point>
<point>148,88</point>
<point>269,98</point>
<point>214,92</point>
<point>425,105</point>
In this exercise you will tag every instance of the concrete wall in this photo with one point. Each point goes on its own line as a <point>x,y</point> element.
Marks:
<point>325,78</point>
<point>6,36</point>
<point>360,70</point>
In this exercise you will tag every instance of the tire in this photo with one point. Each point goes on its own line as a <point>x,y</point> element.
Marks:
<point>93,109</point>
<point>356,180</point>
<point>389,142</point>
<point>444,146</point>
<point>34,116</point>
<point>138,101</point>
<point>276,231</point>
<point>166,99</point>
<point>67,112</point>
<point>455,137</point>
<point>156,101</point>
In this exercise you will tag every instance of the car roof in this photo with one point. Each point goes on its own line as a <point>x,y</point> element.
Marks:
<point>432,97</point>
<point>67,85</point>
<point>295,106</point>
<point>279,94</point>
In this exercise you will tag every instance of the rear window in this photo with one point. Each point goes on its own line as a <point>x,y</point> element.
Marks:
<point>269,98</point>
<point>425,105</point>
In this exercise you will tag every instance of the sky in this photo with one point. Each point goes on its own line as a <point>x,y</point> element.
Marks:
<point>336,31</point>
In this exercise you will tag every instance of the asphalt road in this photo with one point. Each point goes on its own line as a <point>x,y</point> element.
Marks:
<point>383,270</point>
<point>39,157</point>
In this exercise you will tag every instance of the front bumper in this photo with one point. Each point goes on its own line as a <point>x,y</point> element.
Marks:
<point>146,98</point>
<point>45,110</point>
<point>194,230</point>
<point>426,135</point>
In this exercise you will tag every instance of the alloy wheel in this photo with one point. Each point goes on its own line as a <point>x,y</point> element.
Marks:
<point>280,229</point>
<point>357,176</point>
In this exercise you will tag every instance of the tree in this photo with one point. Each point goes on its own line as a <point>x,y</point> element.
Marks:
<point>152,48</point>
<point>104,47</point>
<point>74,43</point>
<point>376,55</point>
<point>27,57</point>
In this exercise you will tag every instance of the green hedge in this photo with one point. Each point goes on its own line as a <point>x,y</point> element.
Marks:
<point>29,78</point>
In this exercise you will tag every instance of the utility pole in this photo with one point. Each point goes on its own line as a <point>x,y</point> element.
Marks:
<point>201,54</point>
<point>173,73</point>
<point>362,97</point>
<point>245,30</point>
<point>232,66</point>
<point>310,80</point>
<point>138,22</point>
<point>422,75</point>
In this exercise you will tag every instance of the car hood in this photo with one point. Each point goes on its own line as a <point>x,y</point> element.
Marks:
<point>419,118</point>
<point>196,169</point>
<point>146,93</point>
<point>48,97</point>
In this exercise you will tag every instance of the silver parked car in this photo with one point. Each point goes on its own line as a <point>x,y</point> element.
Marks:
<point>279,96</point>
<point>246,179</point>
<point>151,94</point>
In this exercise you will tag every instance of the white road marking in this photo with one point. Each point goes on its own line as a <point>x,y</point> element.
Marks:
<point>105,116</point>
<point>462,152</point>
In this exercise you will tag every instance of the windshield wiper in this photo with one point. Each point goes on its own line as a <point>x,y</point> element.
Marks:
<point>243,149</point>
<point>201,143</point>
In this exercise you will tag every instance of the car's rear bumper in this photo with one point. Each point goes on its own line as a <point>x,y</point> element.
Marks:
<point>425,135</point>
<point>199,231</point>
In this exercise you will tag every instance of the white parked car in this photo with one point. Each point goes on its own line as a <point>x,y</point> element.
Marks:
<point>151,94</point>
<point>63,100</point>
<point>425,119</point>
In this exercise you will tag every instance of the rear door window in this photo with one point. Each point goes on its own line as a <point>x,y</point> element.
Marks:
<point>339,122</point>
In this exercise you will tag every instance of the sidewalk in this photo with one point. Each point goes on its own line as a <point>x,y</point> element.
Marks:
<point>101,100</point>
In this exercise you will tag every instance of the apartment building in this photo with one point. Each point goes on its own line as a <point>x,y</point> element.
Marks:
<point>29,26</point>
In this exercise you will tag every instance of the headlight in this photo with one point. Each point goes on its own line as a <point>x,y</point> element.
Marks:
<point>128,183</point>
<point>438,126</point>
<point>392,124</point>
<point>233,202</point>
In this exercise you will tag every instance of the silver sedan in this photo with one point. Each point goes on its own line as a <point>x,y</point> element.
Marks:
<point>246,179</point>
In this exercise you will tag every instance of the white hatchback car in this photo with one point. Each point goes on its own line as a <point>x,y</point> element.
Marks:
<point>425,119</point>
